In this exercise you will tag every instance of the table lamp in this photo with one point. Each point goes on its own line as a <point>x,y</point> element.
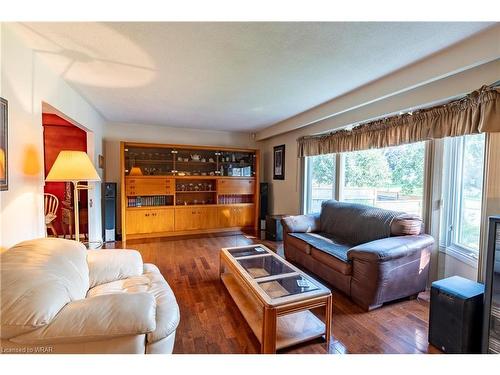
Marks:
<point>73,166</point>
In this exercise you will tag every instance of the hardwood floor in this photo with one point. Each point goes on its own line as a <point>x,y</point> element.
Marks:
<point>211,322</point>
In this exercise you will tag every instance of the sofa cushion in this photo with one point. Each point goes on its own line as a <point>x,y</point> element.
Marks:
<point>38,278</point>
<point>167,310</point>
<point>332,262</point>
<point>109,265</point>
<point>97,318</point>
<point>324,242</point>
<point>355,223</point>
<point>299,244</point>
<point>406,225</point>
<point>301,223</point>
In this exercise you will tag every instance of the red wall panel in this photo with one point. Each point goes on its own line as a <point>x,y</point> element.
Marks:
<point>58,135</point>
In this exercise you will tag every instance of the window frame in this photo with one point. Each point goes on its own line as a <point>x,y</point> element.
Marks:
<point>451,217</point>
<point>307,187</point>
<point>339,180</point>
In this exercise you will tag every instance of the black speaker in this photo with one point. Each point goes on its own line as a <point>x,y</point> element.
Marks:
<point>109,211</point>
<point>456,315</point>
<point>274,229</point>
<point>264,200</point>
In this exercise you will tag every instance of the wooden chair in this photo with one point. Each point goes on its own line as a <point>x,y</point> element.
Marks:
<point>51,205</point>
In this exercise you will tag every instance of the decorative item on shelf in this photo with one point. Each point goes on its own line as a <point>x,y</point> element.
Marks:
<point>73,166</point>
<point>181,173</point>
<point>179,158</point>
<point>185,160</point>
<point>203,160</point>
<point>233,158</point>
<point>211,160</point>
<point>195,157</point>
<point>135,171</point>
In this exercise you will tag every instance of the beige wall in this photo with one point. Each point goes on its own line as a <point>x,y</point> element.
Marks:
<point>26,83</point>
<point>116,132</point>
<point>450,266</point>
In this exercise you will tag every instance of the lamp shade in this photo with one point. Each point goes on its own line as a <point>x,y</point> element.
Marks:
<point>73,166</point>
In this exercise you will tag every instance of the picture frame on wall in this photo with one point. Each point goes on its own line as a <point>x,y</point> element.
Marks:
<point>279,162</point>
<point>4,169</point>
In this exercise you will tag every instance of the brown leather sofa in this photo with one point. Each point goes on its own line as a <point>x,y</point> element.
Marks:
<point>372,255</point>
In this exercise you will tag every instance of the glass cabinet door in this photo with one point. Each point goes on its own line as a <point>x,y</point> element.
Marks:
<point>195,162</point>
<point>148,161</point>
<point>236,164</point>
<point>163,161</point>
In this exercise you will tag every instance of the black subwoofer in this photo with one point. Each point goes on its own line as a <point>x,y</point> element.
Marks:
<point>455,317</point>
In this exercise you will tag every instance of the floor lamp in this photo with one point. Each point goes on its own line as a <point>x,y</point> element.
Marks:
<point>76,167</point>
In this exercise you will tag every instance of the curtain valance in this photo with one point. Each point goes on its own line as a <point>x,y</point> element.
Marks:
<point>478,112</point>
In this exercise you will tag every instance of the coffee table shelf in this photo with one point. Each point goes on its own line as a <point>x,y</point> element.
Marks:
<point>276,322</point>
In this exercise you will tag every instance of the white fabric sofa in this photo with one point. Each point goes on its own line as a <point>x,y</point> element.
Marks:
<point>59,297</point>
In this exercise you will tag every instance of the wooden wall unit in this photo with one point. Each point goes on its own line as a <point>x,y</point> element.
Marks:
<point>169,190</point>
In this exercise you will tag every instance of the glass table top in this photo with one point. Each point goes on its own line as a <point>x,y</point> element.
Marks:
<point>247,251</point>
<point>287,286</point>
<point>259,267</point>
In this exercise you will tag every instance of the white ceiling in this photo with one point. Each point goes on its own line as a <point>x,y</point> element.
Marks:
<point>229,76</point>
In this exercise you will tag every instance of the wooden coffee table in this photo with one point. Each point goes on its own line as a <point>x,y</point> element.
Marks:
<point>275,297</point>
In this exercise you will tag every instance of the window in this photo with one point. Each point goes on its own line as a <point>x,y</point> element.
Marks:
<point>390,178</point>
<point>462,193</point>
<point>320,181</point>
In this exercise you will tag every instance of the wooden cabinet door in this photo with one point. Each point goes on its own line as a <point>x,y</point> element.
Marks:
<point>207,217</point>
<point>235,186</point>
<point>186,218</point>
<point>163,220</point>
<point>149,220</point>
<point>138,221</point>
<point>246,216</point>
<point>225,217</point>
<point>235,216</point>
<point>193,218</point>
